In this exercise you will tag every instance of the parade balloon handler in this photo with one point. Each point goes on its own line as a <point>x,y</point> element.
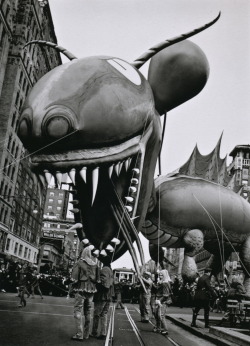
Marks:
<point>22,285</point>
<point>145,297</point>
<point>102,299</point>
<point>236,291</point>
<point>118,294</point>
<point>35,283</point>
<point>163,299</point>
<point>84,274</point>
<point>203,294</point>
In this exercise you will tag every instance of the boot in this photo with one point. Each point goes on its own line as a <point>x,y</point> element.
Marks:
<point>95,326</point>
<point>193,324</point>
<point>79,329</point>
<point>206,317</point>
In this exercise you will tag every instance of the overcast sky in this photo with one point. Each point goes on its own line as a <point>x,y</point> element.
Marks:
<point>127,28</point>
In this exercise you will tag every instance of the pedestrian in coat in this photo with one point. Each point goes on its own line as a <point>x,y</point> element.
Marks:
<point>84,275</point>
<point>102,299</point>
<point>163,294</point>
<point>203,294</point>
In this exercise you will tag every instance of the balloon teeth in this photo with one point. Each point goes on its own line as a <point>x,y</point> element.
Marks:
<point>127,165</point>
<point>132,189</point>
<point>117,169</point>
<point>85,241</point>
<point>96,253</point>
<point>74,202</point>
<point>75,210</point>
<point>59,178</point>
<point>95,178</point>
<point>136,170</point>
<point>129,199</point>
<point>110,248</point>
<point>76,226</point>
<point>135,181</point>
<point>111,170</point>
<point>129,208</point>
<point>72,175</point>
<point>48,177</point>
<point>42,179</point>
<point>83,174</point>
<point>103,253</point>
<point>115,241</point>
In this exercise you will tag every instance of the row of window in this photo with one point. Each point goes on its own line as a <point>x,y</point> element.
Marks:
<point>20,250</point>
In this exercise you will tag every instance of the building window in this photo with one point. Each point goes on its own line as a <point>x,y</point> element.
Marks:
<point>59,201</point>
<point>51,200</point>
<point>58,208</point>
<point>15,249</point>
<point>51,194</point>
<point>25,252</point>
<point>20,252</point>
<point>49,207</point>
<point>8,244</point>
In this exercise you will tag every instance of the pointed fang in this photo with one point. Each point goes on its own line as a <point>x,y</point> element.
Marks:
<point>111,171</point>
<point>83,174</point>
<point>76,226</point>
<point>72,175</point>
<point>136,170</point>
<point>75,210</point>
<point>132,189</point>
<point>129,208</point>
<point>127,164</point>
<point>59,178</point>
<point>117,167</point>
<point>95,177</point>
<point>129,199</point>
<point>48,176</point>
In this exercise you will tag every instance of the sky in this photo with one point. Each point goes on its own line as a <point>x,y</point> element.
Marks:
<point>127,28</point>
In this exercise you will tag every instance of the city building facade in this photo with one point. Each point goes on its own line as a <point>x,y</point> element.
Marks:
<point>21,194</point>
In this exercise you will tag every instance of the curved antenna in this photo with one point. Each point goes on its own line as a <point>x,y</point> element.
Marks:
<point>60,49</point>
<point>160,46</point>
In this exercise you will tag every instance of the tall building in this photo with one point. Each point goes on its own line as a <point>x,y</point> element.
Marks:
<point>21,195</point>
<point>59,245</point>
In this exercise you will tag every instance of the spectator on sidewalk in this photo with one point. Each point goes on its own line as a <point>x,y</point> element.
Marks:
<point>3,276</point>
<point>236,291</point>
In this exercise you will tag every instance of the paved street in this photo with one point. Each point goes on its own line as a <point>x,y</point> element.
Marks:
<point>50,322</point>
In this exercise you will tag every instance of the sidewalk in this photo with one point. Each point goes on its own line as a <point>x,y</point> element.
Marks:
<point>219,335</point>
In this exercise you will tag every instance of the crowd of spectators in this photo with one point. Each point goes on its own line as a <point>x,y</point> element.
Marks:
<point>54,284</point>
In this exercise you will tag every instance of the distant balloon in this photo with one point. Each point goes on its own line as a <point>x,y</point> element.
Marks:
<point>177,74</point>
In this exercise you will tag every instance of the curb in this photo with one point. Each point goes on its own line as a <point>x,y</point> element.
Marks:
<point>199,332</point>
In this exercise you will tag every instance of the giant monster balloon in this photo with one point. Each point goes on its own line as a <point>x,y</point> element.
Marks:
<point>98,119</point>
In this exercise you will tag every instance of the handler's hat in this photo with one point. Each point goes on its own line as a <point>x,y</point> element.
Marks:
<point>208,270</point>
<point>148,273</point>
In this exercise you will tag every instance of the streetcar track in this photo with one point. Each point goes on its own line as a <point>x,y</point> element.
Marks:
<point>165,336</point>
<point>135,329</point>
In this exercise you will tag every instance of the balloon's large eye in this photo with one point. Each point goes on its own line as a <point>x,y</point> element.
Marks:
<point>57,126</point>
<point>126,69</point>
<point>24,128</point>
